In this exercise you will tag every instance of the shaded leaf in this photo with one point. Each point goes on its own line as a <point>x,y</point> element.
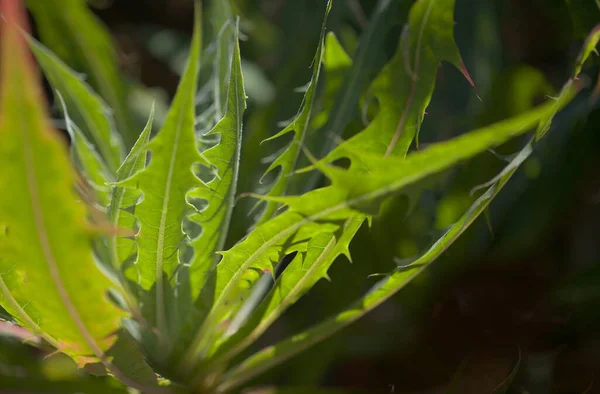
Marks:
<point>87,110</point>
<point>405,85</point>
<point>349,191</point>
<point>300,125</point>
<point>366,60</point>
<point>503,387</point>
<point>75,35</point>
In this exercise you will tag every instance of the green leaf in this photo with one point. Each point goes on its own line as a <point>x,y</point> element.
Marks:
<point>405,85</point>
<point>389,285</point>
<point>351,190</point>
<point>305,270</point>
<point>49,279</point>
<point>366,60</point>
<point>165,184</point>
<point>300,125</point>
<point>589,46</point>
<point>40,267</point>
<point>75,35</point>
<point>124,199</point>
<point>88,110</point>
<point>223,31</point>
<point>336,63</point>
<point>219,197</point>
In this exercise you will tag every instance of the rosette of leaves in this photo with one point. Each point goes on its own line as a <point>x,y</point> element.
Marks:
<point>116,258</point>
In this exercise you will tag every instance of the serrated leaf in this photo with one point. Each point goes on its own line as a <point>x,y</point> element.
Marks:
<point>223,34</point>
<point>122,197</point>
<point>352,189</point>
<point>589,46</point>
<point>219,195</point>
<point>322,210</point>
<point>336,63</point>
<point>392,283</point>
<point>165,184</point>
<point>305,270</point>
<point>405,85</point>
<point>72,31</point>
<point>87,110</point>
<point>366,60</point>
<point>48,277</point>
<point>300,125</point>
<point>121,247</point>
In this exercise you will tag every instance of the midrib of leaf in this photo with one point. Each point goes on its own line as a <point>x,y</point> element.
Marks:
<point>42,237</point>
<point>413,85</point>
<point>160,302</point>
<point>25,317</point>
<point>232,190</point>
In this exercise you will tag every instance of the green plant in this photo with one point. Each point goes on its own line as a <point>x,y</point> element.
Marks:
<point>117,260</point>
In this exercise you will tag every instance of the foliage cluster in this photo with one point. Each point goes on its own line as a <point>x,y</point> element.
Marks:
<point>122,249</point>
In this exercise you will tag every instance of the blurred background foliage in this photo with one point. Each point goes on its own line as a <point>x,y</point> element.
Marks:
<point>519,291</point>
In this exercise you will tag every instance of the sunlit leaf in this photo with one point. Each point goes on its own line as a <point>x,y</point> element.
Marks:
<point>50,282</point>
<point>218,195</point>
<point>165,184</point>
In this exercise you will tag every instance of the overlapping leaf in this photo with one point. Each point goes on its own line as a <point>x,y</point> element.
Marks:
<point>219,197</point>
<point>405,85</point>
<point>124,198</point>
<point>324,210</point>
<point>305,270</point>
<point>165,183</point>
<point>367,59</point>
<point>300,126</point>
<point>392,283</point>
